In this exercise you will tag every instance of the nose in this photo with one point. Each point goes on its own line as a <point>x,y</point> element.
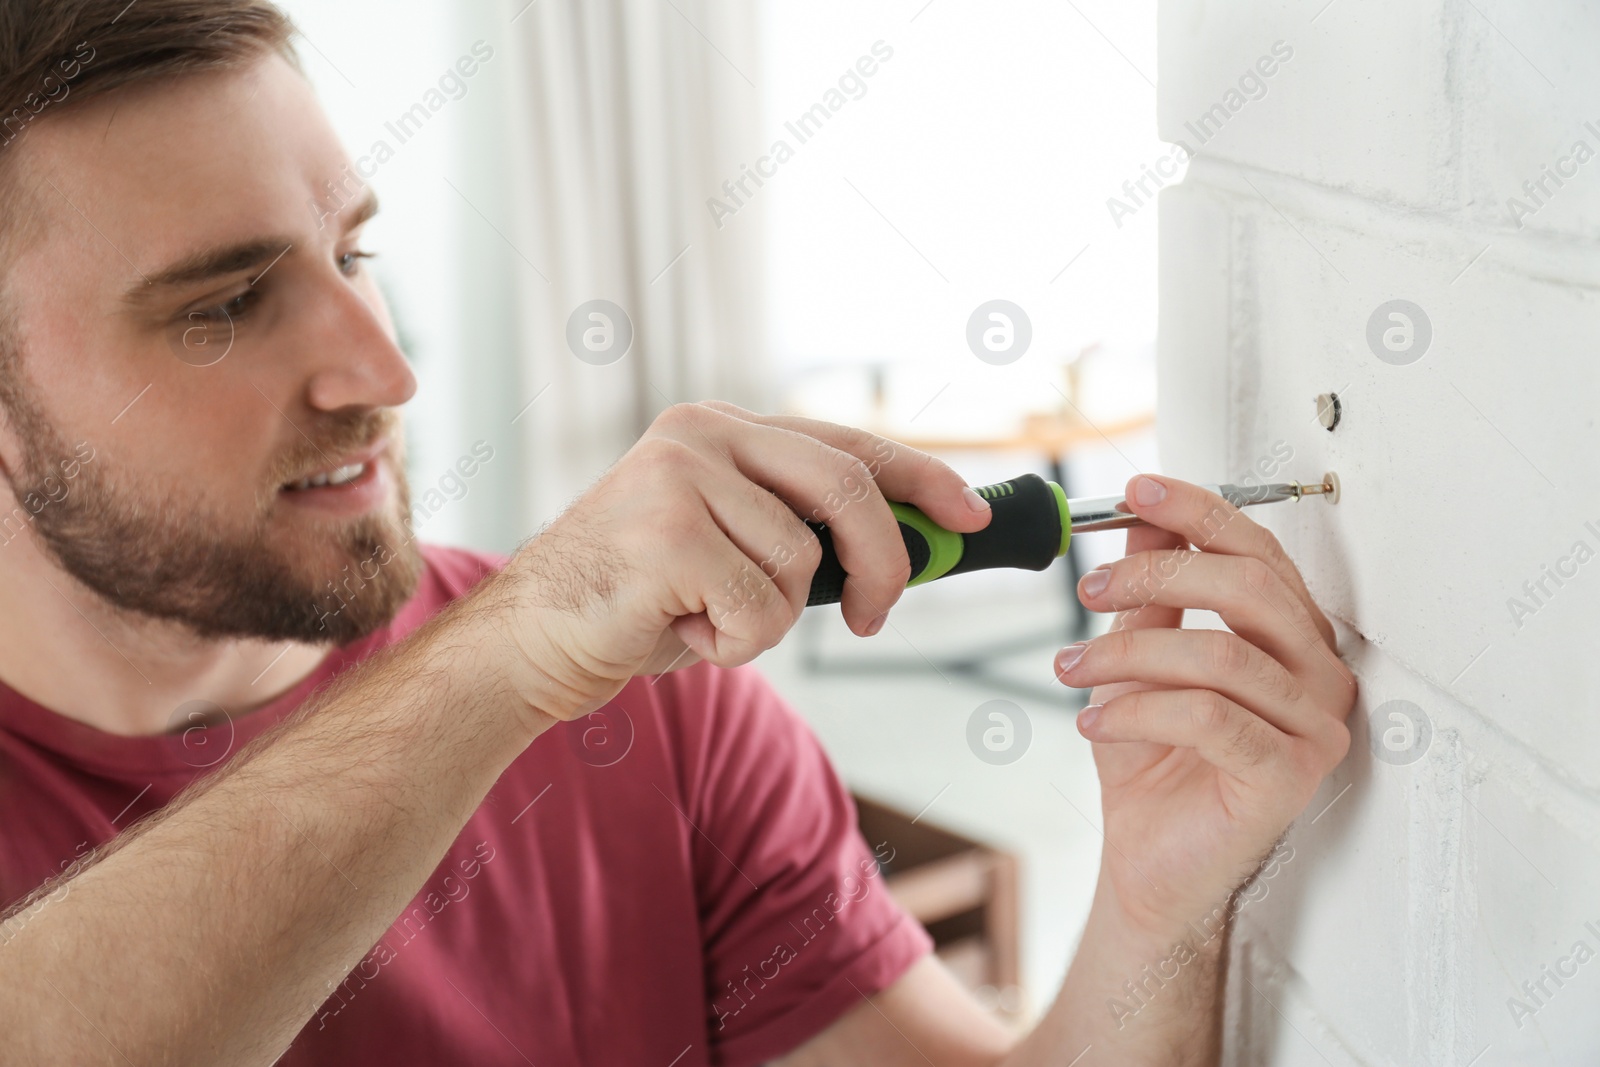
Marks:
<point>358,362</point>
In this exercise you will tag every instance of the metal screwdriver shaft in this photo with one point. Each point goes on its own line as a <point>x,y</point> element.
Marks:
<point>1111,512</point>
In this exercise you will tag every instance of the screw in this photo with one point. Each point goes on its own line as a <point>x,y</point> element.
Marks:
<point>1328,410</point>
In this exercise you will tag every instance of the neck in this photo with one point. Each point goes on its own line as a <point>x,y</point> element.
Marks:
<point>65,648</point>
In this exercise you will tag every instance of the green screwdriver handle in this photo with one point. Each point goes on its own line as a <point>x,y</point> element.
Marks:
<point>1030,528</point>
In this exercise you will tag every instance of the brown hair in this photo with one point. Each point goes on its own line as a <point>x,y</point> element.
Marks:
<point>56,54</point>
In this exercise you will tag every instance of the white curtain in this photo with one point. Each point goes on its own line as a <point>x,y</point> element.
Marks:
<point>624,117</point>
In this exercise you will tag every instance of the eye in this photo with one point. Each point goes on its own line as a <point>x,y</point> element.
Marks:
<point>227,311</point>
<point>350,262</point>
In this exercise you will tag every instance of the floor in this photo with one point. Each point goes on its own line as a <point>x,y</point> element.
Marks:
<point>901,738</point>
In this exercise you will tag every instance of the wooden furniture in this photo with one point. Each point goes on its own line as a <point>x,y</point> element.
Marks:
<point>962,891</point>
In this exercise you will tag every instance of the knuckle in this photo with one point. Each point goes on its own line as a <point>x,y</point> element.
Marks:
<point>854,477</point>
<point>1211,711</point>
<point>857,441</point>
<point>1347,676</point>
<point>1114,650</point>
<point>1132,710</point>
<point>1227,654</point>
<point>807,546</point>
<point>723,407</point>
<point>664,457</point>
<point>675,417</point>
<point>776,619</point>
<point>1148,572</point>
<point>1135,575</point>
<point>1268,547</point>
<point>887,581</point>
<point>1258,575</point>
<point>1248,741</point>
<point>1336,746</point>
<point>1278,683</point>
<point>679,525</point>
<point>749,588</point>
<point>921,463</point>
<point>850,482</point>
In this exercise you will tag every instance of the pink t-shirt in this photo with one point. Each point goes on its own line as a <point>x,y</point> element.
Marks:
<point>675,880</point>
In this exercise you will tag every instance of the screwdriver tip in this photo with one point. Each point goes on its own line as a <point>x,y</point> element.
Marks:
<point>1329,487</point>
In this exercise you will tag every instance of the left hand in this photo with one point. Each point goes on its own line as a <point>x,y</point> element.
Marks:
<point>1208,743</point>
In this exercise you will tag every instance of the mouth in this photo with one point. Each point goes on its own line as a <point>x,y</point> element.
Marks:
<point>350,485</point>
<point>335,478</point>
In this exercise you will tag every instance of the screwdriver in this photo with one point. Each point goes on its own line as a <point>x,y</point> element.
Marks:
<point>1032,525</point>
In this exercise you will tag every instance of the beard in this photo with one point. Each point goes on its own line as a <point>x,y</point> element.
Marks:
<point>154,553</point>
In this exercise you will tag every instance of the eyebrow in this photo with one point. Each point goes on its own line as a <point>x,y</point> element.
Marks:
<point>231,259</point>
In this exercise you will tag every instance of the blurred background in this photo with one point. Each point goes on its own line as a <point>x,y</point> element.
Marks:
<point>797,208</point>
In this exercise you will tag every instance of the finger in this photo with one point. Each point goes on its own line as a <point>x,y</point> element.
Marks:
<point>902,472</point>
<point>1221,732</point>
<point>1141,616</point>
<point>777,543</point>
<point>1212,524</point>
<point>1249,596</point>
<point>727,611</point>
<point>825,484</point>
<point>1203,659</point>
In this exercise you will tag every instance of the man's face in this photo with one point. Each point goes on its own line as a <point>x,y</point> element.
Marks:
<point>194,315</point>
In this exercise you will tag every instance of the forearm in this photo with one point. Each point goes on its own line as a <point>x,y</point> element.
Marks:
<point>1139,996</point>
<point>211,934</point>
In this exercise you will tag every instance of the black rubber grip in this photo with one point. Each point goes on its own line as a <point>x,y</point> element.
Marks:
<point>1025,532</point>
<point>827,584</point>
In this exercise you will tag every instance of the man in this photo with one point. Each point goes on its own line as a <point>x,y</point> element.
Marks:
<point>391,840</point>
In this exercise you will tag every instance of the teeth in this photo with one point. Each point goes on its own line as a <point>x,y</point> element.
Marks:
<point>345,474</point>
<point>337,477</point>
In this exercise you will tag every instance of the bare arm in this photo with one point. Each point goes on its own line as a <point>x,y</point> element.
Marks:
<point>1208,744</point>
<point>239,908</point>
<point>213,932</point>
<point>927,1017</point>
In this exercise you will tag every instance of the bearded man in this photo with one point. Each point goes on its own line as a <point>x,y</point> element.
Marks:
<point>279,785</point>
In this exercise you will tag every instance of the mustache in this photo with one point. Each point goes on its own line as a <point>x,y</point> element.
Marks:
<point>320,446</point>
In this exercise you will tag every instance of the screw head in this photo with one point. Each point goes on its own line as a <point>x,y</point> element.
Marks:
<point>1329,410</point>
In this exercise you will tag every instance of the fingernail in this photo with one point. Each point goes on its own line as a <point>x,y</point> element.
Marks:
<point>1094,583</point>
<point>1148,491</point>
<point>974,501</point>
<point>1089,716</point>
<point>875,625</point>
<point>1067,657</point>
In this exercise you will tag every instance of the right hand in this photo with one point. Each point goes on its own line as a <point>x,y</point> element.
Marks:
<point>692,547</point>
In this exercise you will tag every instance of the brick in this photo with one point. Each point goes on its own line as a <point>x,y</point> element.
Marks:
<point>1363,103</point>
<point>1467,475</point>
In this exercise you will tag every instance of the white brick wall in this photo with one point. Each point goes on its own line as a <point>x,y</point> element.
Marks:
<point>1376,164</point>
